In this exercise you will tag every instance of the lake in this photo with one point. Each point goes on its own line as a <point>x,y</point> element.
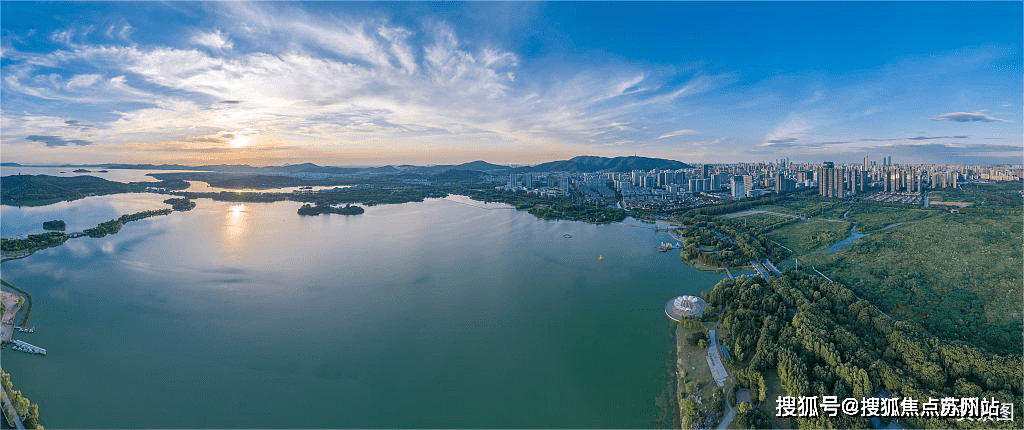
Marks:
<point>445,313</point>
<point>117,175</point>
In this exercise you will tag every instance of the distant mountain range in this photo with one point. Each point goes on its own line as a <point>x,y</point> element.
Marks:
<point>581,164</point>
<point>592,164</point>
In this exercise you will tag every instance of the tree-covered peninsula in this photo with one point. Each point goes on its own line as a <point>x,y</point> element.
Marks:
<point>39,190</point>
<point>328,209</point>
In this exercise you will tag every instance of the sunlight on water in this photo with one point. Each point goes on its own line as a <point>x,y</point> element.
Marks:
<point>234,226</point>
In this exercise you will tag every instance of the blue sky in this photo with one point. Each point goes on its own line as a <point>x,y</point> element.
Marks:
<point>364,83</point>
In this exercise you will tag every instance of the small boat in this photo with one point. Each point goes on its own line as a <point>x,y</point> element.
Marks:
<point>567,235</point>
<point>600,258</point>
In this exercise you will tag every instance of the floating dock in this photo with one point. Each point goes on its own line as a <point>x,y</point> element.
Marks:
<point>20,345</point>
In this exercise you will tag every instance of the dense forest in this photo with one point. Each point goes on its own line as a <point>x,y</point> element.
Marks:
<point>39,190</point>
<point>55,225</point>
<point>181,204</point>
<point>723,242</point>
<point>33,241</point>
<point>26,409</point>
<point>822,340</point>
<point>547,207</point>
<point>113,226</point>
<point>318,209</point>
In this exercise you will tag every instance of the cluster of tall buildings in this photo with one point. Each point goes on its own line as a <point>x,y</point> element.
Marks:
<point>540,183</point>
<point>652,188</point>
<point>840,182</point>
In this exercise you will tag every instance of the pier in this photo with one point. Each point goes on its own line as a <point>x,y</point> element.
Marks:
<point>20,345</point>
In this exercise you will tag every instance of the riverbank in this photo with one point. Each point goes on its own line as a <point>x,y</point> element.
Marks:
<point>28,310</point>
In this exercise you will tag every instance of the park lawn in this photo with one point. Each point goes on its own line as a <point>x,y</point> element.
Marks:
<point>815,234</point>
<point>772,394</point>
<point>780,208</point>
<point>799,205</point>
<point>1004,195</point>
<point>958,275</point>
<point>871,216</point>
<point>761,219</point>
<point>691,359</point>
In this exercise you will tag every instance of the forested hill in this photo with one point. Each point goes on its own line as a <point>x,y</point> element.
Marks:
<point>588,163</point>
<point>823,340</point>
<point>38,190</point>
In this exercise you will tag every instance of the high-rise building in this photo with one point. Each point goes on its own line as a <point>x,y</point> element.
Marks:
<point>783,184</point>
<point>738,192</point>
<point>828,178</point>
<point>719,181</point>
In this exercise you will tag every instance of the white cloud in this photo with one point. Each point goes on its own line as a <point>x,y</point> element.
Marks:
<point>789,131</point>
<point>213,40</point>
<point>331,84</point>
<point>967,117</point>
<point>677,133</point>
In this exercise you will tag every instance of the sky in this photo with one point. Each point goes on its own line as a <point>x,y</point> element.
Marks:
<point>348,83</point>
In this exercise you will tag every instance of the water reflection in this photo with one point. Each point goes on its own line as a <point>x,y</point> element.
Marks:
<point>384,319</point>
<point>234,226</point>
<point>203,187</point>
<point>78,214</point>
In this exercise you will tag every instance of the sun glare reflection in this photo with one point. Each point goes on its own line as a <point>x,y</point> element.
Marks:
<point>234,225</point>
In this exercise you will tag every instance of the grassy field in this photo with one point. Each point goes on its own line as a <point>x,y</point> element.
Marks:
<point>815,234</point>
<point>773,392</point>
<point>761,219</point>
<point>695,374</point>
<point>958,275</point>
<point>1004,195</point>
<point>799,205</point>
<point>873,216</point>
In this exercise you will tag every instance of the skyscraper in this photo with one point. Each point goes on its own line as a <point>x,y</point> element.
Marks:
<point>738,191</point>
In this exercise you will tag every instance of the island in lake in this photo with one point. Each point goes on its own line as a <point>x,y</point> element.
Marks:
<point>57,224</point>
<point>328,209</point>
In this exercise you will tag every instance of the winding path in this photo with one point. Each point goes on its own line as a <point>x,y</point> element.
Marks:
<point>10,412</point>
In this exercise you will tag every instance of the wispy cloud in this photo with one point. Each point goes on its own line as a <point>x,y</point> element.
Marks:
<point>895,139</point>
<point>966,117</point>
<point>677,133</point>
<point>213,40</point>
<point>795,127</point>
<point>359,88</point>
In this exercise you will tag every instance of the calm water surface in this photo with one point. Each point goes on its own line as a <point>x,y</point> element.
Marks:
<point>117,175</point>
<point>446,313</point>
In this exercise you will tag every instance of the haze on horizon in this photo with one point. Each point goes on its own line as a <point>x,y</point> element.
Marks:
<point>424,83</point>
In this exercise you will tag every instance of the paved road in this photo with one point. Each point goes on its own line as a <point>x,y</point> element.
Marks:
<point>11,413</point>
<point>714,358</point>
<point>728,416</point>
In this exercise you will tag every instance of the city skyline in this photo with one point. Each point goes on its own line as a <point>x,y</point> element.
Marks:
<point>366,84</point>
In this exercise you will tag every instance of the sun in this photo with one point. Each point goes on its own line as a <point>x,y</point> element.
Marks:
<point>240,141</point>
